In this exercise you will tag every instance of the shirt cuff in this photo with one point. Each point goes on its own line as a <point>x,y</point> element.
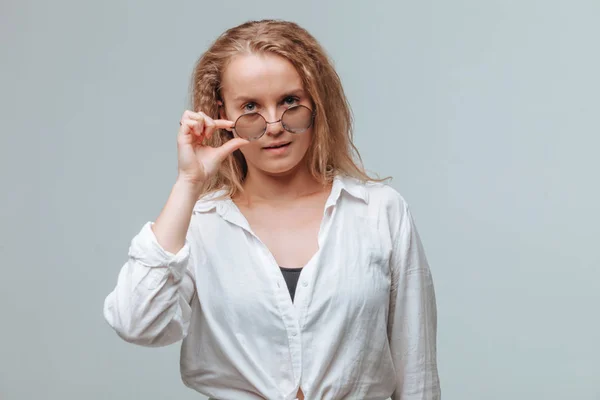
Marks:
<point>146,250</point>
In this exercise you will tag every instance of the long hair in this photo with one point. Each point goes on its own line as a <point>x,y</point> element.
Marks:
<point>332,150</point>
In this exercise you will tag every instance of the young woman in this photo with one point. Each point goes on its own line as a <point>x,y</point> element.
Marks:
<point>286,270</point>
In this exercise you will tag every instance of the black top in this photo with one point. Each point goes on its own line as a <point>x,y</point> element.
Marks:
<point>291,276</point>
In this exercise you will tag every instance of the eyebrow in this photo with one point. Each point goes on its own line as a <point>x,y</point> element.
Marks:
<point>299,92</point>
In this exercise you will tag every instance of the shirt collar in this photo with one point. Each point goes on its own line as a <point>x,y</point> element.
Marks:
<point>211,201</point>
<point>350,185</point>
<point>219,200</point>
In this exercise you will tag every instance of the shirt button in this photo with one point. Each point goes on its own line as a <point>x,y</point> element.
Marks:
<point>294,334</point>
<point>305,283</point>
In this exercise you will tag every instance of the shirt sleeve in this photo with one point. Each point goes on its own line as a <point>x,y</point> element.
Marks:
<point>413,314</point>
<point>150,305</point>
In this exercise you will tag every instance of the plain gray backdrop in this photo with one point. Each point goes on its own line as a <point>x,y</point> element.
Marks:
<point>486,113</point>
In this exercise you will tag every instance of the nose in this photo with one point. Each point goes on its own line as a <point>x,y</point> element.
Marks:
<point>275,127</point>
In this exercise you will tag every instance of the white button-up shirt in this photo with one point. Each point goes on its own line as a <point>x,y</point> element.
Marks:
<point>362,324</point>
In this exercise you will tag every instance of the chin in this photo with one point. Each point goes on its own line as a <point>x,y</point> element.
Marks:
<point>279,168</point>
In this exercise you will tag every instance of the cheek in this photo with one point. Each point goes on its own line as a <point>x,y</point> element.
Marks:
<point>307,139</point>
<point>249,152</point>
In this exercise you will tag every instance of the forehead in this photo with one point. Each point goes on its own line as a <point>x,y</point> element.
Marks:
<point>259,75</point>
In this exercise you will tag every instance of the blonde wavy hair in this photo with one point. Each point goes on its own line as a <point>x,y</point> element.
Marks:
<point>332,150</point>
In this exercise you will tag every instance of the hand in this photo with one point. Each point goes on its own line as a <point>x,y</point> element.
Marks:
<point>198,162</point>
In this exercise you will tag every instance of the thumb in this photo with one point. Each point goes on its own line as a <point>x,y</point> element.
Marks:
<point>229,147</point>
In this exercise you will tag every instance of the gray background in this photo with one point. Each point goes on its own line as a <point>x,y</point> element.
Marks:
<point>485,112</point>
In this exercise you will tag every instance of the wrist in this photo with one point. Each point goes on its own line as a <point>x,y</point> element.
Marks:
<point>189,186</point>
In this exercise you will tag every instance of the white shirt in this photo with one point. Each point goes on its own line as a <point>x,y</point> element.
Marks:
<point>362,325</point>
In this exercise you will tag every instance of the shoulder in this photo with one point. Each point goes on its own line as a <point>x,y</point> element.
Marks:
<point>383,193</point>
<point>377,194</point>
<point>382,203</point>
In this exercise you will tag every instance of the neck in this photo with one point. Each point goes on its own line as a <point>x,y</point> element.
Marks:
<point>273,189</point>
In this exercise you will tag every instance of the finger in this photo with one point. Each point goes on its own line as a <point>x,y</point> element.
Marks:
<point>186,130</point>
<point>199,127</point>
<point>192,115</point>
<point>229,147</point>
<point>224,124</point>
<point>209,127</point>
<point>186,126</point>
<point>191,127</point>
<point>199,117</point>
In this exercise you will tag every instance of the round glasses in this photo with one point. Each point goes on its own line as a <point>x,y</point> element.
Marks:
<point>252,126</point>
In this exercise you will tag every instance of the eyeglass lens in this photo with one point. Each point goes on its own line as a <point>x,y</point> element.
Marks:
<point>253,125</point>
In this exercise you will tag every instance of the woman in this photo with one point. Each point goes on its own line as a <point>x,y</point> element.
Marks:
<point>285,269</point>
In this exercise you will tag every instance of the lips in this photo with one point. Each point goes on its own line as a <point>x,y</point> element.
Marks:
<point>277,145</point>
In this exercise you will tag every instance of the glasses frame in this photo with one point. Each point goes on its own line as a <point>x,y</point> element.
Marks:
<point>267,123</point>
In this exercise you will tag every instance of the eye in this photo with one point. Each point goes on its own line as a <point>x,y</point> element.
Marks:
<point>291,101</point>
<point>249,107</point>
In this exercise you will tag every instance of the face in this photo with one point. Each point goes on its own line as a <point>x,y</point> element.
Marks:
<point>269,85</point>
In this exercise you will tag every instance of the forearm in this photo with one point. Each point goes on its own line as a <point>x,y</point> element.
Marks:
<point>172,224</point>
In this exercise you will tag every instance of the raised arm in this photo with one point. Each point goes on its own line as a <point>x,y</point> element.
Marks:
<point>150,304</point>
